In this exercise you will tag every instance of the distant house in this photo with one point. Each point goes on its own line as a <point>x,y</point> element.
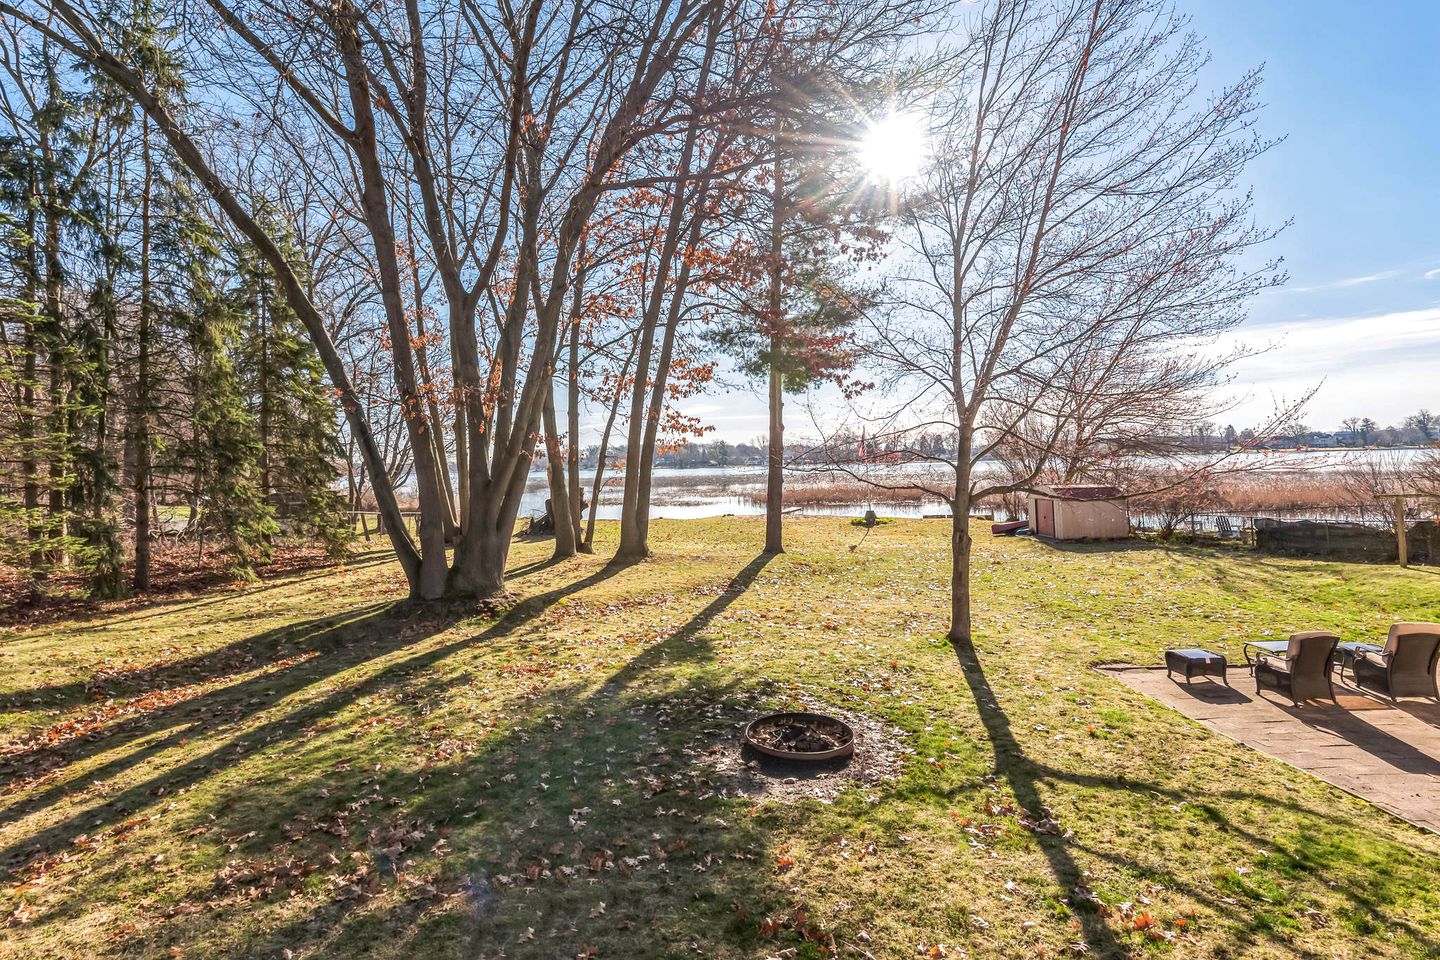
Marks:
<point>1079,512</point>
<point>1317,440</point>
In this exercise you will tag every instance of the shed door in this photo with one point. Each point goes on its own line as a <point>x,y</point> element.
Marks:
<point>1045,518</point>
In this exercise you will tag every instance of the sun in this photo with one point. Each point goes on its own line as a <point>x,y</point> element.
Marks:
<point>893,147</point>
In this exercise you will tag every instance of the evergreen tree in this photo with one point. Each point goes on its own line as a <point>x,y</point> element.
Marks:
<point>810,340</point>
<point>57,370</point>
<point>224,449</point>
<point>294,409</point>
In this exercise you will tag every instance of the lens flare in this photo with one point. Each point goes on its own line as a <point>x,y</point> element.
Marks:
<point>893,147</point>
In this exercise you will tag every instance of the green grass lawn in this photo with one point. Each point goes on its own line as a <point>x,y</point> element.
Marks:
<point>309,768</point>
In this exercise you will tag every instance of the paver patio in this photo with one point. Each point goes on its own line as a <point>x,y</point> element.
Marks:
<point>1385,752</point>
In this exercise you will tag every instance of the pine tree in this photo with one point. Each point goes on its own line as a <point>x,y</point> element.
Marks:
<point>223,451</point>
<point>147,41</point>
<point>19,321</point>
<point>93,497</point>
<point>295,411</point>
<point>56,359</point>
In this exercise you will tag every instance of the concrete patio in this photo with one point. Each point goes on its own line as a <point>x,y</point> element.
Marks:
<point>1385,752</point>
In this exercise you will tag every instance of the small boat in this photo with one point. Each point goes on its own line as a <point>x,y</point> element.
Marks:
<point>1008,529</point>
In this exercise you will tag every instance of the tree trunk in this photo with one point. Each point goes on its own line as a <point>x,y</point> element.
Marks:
<point>775,468</point>
<point>108,577</point>
<point>634,537</point>
<point>140,418</point>
<point>25,428</point>
<point>559,494</point>
<point>462,467</point>
<point>479,567</point>
<point>639,451</point>
<point>646,466</point>
<point>572,457</point>
<point>437,429</point>
<point>262,330</point>
<point>775,461</point>
<point>960,543</point>
<point>572,415</point>
<point>429,580</point>
<point>59,441</point>
<point>598,482</point>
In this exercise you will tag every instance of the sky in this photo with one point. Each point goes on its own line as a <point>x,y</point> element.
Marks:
<point>1355,91</point>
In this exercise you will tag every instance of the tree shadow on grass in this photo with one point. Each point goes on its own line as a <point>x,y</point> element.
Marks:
<point>214,664</point>
<point>590,784</point>
<point>1025,777</point>
<point>597,768</point>
<point>224,713</point>
<point>161,602</point>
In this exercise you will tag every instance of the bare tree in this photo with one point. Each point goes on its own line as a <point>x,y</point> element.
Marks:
<point>1425,423</point>
<point>1073,259</point>
<point>501,127</point>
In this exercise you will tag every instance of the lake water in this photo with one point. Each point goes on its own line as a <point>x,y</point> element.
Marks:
<point>690,493</point>
<point>717,491</point>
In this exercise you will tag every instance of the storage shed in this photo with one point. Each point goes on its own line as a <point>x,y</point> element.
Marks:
<point>1077,512</point>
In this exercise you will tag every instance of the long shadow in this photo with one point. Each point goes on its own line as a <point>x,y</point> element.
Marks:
<point>1371,739</point>
<point>212,664</point>
<point>687,639</point>
<point>231,658</point>
<point>1426,712</point>
<point>227,709</point>
<point>204,714</point>
<point>159,604</point>
<point>1024,778</point>
<point>642,731</point>
<point>1361,899</point>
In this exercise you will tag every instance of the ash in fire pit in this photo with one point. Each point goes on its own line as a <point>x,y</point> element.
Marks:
<point>801,736</point>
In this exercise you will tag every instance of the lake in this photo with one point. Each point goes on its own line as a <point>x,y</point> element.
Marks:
<point>718,491</point>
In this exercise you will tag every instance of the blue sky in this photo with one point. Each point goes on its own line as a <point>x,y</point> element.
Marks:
<point>1355,90</point>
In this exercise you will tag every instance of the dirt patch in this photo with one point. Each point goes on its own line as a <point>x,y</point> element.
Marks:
<point>737,771</point>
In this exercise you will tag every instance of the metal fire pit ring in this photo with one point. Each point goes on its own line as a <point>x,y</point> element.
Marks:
<point>840,728</point>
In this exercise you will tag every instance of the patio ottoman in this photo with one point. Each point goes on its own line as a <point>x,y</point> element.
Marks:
<point>1194,662</point>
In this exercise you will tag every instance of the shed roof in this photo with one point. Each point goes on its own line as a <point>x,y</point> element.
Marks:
<point>1074,491</point>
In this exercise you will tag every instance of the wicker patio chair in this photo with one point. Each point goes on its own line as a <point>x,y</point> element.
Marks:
<point>1406,667</point>
<point>1302,672</point>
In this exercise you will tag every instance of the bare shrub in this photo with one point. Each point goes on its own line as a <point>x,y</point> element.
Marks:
<point>1174,497</point>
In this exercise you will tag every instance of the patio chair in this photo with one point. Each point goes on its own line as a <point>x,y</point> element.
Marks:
<point>1302,672</point>
<point>1406,667</point>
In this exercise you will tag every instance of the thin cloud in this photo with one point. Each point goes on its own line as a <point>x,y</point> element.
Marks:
<point>1369,365</point>
<point>1351,281</point>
